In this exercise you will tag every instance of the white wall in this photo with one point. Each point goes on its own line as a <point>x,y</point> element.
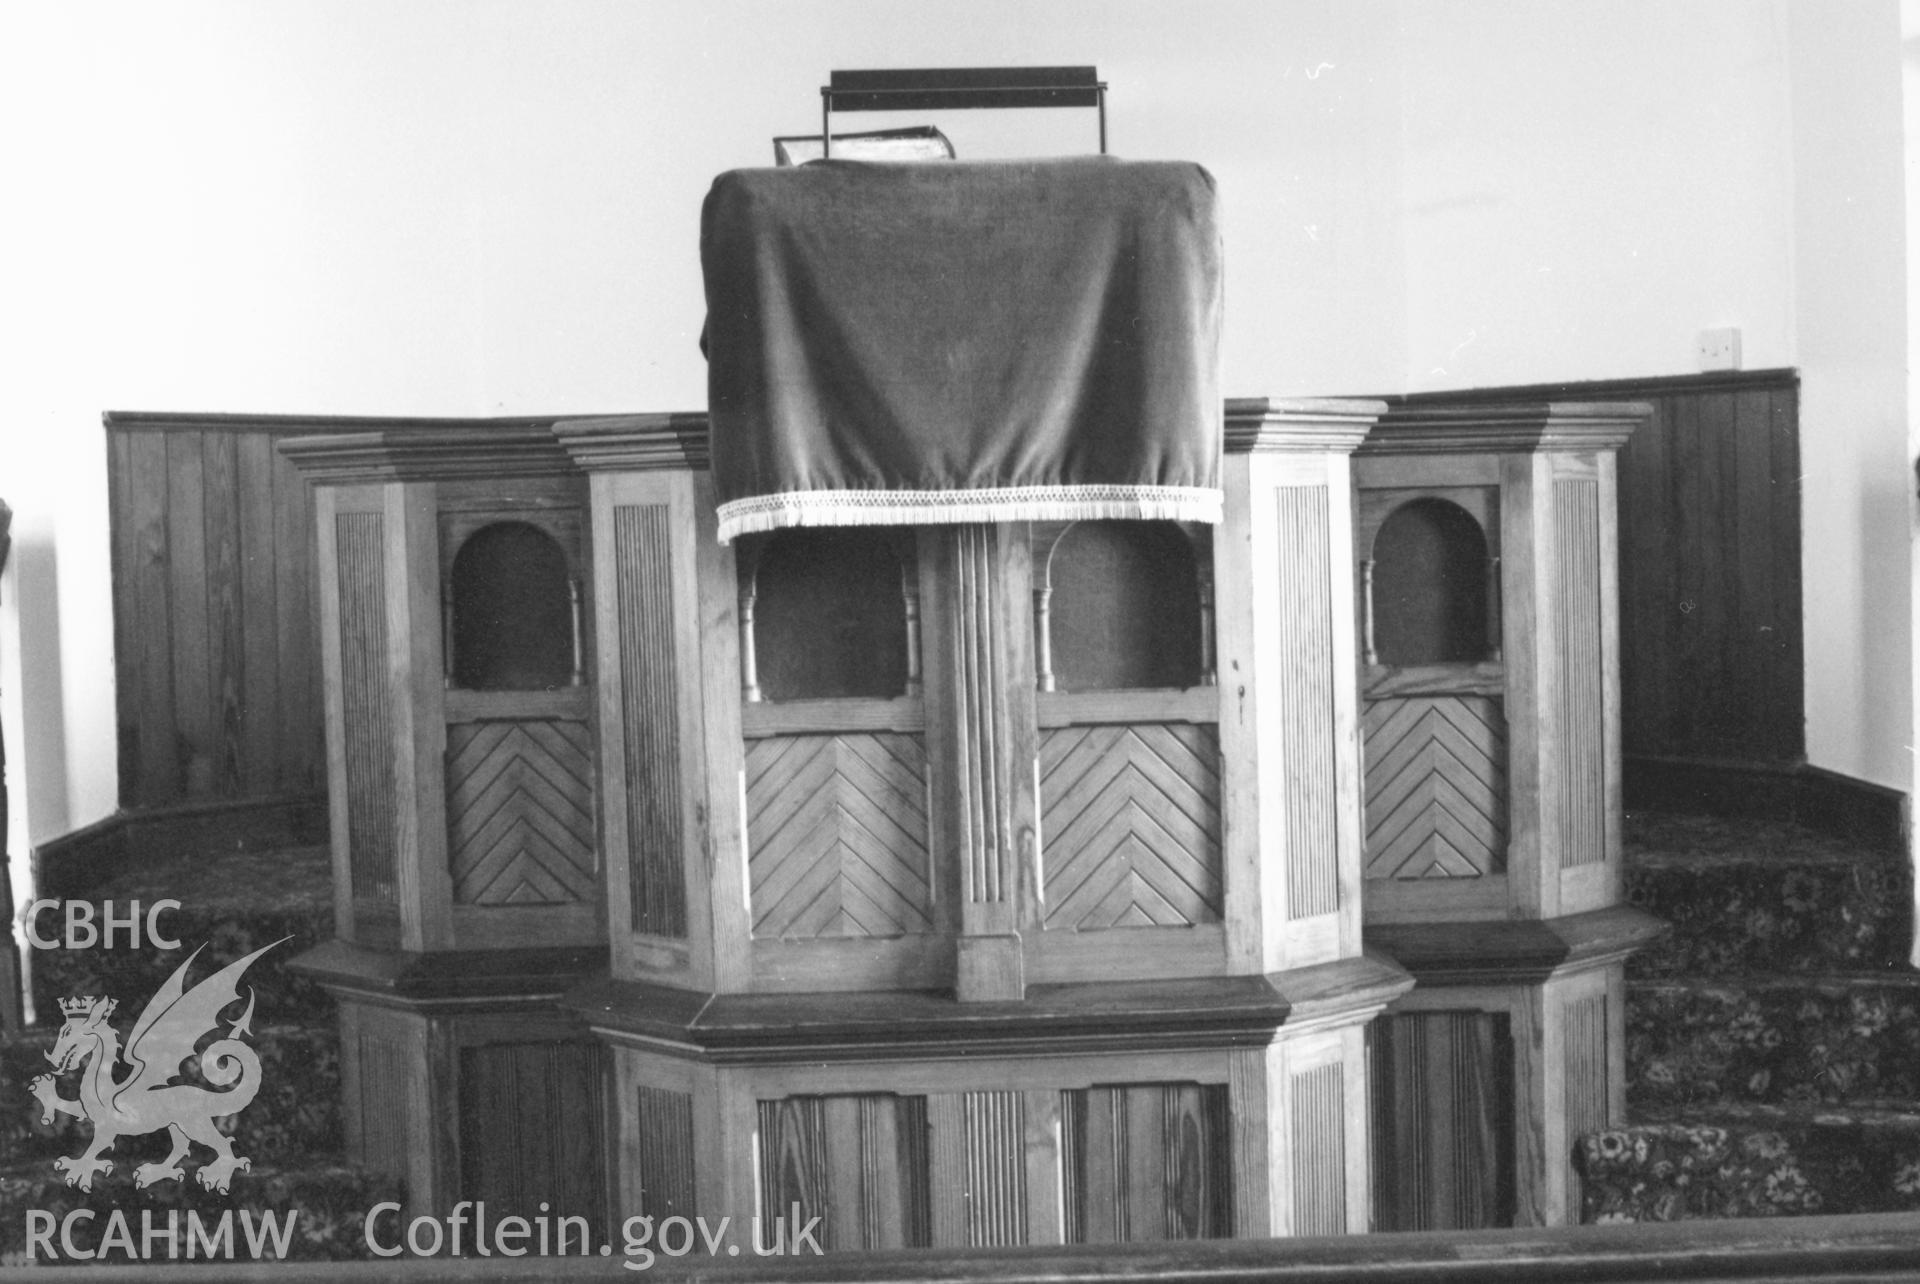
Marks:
<point>1587,186</point>
<point>1849,272</point>
<point>491,206</point>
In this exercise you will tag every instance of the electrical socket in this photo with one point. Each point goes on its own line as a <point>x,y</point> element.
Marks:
<point>1719,349</point>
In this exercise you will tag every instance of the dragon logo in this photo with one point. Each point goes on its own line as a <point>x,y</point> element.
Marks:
<point>146,1099</point>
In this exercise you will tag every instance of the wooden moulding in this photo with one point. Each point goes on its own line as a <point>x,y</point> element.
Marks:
<point>1053,1020</point>
<point>1504,429</point>
<point>426,454</point>
<point>1514,951</point>
<point>636,443</point>
<point>452,978</point>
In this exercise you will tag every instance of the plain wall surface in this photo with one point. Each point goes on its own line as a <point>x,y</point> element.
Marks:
<point>475,207</point>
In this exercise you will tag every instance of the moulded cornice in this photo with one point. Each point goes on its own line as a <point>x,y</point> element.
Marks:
<point>1298,424</point>
<point>1505,429</point>
<point>427,454</point>
<point>637,443</point>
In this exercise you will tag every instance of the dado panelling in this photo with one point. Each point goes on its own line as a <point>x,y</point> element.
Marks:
<point>215,624</point>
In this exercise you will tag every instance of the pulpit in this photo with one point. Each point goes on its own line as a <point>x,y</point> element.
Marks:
<point>1485,558</point>
<point>974,785</point>
<point>985,883</point>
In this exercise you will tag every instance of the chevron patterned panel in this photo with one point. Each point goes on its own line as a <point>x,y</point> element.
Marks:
<point>837,836</point>
<point>1436,787</point>
<point>520,812</point>
<point>1130,818</point>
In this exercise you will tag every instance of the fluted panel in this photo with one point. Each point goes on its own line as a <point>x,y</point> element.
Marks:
<point>978,1174</point>
<point>1586,1062</point>
<point>1131,823</point>
<point>1436,787</point>
<point>520,812</point>
<point>1442,1121</point>
<point>984,779</point>
<point>367,702</point>
<point>1302,669</point>
<point>1320,1151</point>
<point>837,836</point>
<point>665,1161</point>
<point>387,1100</point>
<point>650,720</point>
<point>1583,796</point>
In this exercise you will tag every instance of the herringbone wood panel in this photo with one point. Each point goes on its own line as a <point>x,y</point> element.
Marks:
<point>1130,820</point>
<point>837,836</point>
<point>520,812</point>
<point>1436,787</point>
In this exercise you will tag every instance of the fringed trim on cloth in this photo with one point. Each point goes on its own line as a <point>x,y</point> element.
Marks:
<point>939,507</point>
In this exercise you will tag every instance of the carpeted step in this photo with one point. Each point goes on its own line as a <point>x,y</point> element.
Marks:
<point>1755,895</point>
<point>297,1110</point>
<point>328,1199</point>
<point>1754,1162</point>
<point>1781,1039</point>
<point>231,903</point>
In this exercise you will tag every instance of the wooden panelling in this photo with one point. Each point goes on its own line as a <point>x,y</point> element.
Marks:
<point>532,1121</point>
<point>216,651</point>
<point>1130,818</point>
<point>837,836</point>
<point>1711,648</point>
<point>1146,1162</point>
<point>650,719</point>
<point>1583,730</point>
<point>367,702</point>
<point>665,1158</point>
<point>1304,660</point>
<point>858,1162</point>
<point>793,1159</point>
<point>1443,1118</point>
<point>1436,802</point>
<point>520,812</point>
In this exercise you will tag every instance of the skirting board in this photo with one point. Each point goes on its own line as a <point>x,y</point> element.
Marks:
<point>72,865</point>
<point>1825,801</point>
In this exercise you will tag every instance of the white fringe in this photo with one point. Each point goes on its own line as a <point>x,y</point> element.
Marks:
<point>939,507</point>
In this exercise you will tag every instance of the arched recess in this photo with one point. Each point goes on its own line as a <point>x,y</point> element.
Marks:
<point>1431,580</point>
<point>825,613</point>
<point>512,611</point>
<point>1124,607</point>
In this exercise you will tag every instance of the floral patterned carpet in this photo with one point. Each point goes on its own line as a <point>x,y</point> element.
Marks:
<point>1773,1037</point>
<point>231,904</point>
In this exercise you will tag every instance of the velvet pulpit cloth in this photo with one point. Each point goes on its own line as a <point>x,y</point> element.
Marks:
<point>899,343</point>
